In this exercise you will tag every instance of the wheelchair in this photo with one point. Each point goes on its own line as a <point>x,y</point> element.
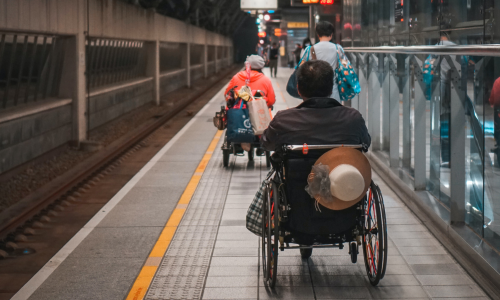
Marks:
<point>291,219</point>
<point>229,148</point>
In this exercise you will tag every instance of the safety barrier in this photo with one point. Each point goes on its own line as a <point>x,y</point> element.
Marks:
<point>433,114</point>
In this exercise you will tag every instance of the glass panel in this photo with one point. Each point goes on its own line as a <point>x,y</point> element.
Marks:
<point>474,146</point>
<point>491,82</point>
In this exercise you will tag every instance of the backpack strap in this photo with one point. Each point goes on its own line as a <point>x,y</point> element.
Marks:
<point>313,53</point>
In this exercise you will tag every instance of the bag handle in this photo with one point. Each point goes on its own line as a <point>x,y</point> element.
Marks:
<point>306,52</point>
<point>313,53</point>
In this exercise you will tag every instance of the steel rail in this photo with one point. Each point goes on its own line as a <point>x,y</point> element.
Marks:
<point>54,191</point>
<point>475,50</point>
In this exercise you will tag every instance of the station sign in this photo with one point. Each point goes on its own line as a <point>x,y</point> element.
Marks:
<point>398,11</point>
<point>259,4</point>
<point>311,2</point>
<point>297,25</point>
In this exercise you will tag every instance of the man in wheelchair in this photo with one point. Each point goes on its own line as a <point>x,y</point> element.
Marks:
<point>319,120</point>
<point>306,139</point>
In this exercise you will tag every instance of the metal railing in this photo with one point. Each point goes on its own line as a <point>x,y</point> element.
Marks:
<point>482,50</point>
<point>433,115</point>
<point>112,61</point>
<point>30,68</point>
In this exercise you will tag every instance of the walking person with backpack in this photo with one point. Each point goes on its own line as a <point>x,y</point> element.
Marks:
<point>273,59</point>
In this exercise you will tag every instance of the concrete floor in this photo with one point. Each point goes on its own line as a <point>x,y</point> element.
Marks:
<point>213,256</point>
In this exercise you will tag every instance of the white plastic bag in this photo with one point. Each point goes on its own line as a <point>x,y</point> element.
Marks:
<point>259,115</point>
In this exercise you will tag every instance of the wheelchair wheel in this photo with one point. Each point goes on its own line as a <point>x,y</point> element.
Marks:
<point>268,159</point>
<point>225,157</point>
<point>306,253</point>
<point>251,153</point>
<point>374,236</point>
<point>270,237</point>
<point>384,220</point>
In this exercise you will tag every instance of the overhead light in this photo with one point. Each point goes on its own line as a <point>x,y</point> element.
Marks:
<point>267,17</point>
<point>261,16</point>
<point>257,21</point>
<point>261,41</point>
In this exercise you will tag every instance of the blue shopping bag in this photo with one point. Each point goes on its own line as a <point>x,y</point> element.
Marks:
<point>239,127</point>
<point>346,77</point>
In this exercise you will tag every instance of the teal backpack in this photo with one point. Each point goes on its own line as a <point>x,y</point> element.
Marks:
<point>346,78</point>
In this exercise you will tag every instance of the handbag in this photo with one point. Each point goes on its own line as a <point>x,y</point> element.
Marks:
<point>259,115</point>
<point>254,212</point>
<point>291,86</point>
<point>346,78</point>
<point>239,127</point>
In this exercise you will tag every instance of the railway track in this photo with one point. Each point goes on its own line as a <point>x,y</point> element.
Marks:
<point>22,218</point>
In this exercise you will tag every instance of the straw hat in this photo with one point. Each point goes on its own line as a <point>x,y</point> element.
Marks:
<point>348,174</point>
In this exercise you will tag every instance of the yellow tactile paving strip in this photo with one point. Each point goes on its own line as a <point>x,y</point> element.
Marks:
<point>143,281</point>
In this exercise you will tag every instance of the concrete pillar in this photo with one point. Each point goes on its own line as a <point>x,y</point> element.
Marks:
<point>457,144</point>
<point>406,120</point>
<point>364,86</point>
<point>374,102</point>
<point>153,67</point>
<point>386,96</point>
<point>188,64</point>
<point>215,59</point>
<point>73,81</point>
<point>394,98</point>
<point>205,60</point>
<point>420,144</point>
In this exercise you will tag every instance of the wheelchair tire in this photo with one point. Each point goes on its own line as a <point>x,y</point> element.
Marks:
<point>225,157</point>
<point>384,221</point>
<point>268,159</point>
<point>374,236</point>
<point>269,245</point>
<point>353,251</point>
<point>306,253</point>
<point>251,153</point>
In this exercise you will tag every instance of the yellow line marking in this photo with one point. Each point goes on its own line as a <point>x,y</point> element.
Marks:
<point>281,92</point>
<point>142,282</point>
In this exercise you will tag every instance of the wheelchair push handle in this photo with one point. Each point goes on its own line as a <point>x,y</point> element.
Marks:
<point>363,147</point>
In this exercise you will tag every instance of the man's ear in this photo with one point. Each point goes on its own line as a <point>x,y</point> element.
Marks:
<point>299,92</point>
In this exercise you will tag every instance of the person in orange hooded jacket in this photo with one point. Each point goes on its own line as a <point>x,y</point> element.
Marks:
<point>258,81</point>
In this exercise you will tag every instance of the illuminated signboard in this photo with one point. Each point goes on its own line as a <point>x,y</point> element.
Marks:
<point>259,4</point>
<point>326,2</point>
<point>262,34</point>
<point>297,25</point>
<point>398,11</point>
<point>310,1</point>
<point>277,32</point>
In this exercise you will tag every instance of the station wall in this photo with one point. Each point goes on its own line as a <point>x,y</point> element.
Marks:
<point>51,68</point>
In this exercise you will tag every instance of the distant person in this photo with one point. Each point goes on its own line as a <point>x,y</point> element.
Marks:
<point>327,51</point>
<point>296,53</point>
<point>273,59</point>
<point>260,50</point>
<point>306,43</point>
<point>258,81</point>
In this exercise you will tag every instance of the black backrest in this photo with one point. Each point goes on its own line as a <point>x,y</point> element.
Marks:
<point>304,217</point>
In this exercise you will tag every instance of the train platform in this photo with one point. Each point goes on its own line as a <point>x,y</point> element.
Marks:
<point>177,231</point>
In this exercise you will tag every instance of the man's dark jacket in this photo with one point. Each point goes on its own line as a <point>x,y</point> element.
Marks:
<point>316,121</point>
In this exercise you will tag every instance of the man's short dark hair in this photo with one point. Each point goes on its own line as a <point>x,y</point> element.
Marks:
<point>315,79</point>
<point>324,28</point>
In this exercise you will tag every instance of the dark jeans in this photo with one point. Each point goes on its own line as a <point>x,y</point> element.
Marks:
<point>273,64</point>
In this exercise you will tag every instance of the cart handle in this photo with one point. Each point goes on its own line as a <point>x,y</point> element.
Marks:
<point>364,147</point>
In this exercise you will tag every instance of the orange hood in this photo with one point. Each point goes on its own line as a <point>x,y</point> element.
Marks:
<point>254,76</point>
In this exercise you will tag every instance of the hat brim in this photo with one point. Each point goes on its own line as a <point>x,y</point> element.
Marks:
<point>350,156</point>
